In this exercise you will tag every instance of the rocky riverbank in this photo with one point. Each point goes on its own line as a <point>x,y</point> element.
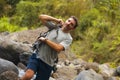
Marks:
<point>15,49</point>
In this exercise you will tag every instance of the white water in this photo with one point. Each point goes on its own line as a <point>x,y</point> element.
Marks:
<point>22,72</point>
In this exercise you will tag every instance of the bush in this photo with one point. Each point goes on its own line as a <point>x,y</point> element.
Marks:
<point>27,14</point>
<point>96,36</point>
<point>6,26</point>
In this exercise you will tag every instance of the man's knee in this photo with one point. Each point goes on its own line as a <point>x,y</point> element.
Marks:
<point>28,75</point>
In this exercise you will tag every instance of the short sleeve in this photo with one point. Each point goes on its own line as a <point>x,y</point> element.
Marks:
<point>66,43</point>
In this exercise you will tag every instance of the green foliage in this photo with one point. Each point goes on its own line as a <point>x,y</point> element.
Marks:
<point>7,7</point>
<point>98,34</point>
<point>2,10</point>
<point>6,26</point>
<point>113,65</point>
<point>110,8</point>
<point>86,20</point>
<point>32,0</point>
<point>26,14</point>
<point>12,2</point>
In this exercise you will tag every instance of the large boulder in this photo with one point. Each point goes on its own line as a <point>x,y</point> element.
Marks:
<point>14,45</point>
<point>28,36</point>
<point>66,73</point>
<point>7,66</point>
<point>106,70</point>
<point>89,75</point>
<point>10,50</point>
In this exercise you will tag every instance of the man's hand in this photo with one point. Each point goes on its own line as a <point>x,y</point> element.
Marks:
<point>60,21</point>
<point>42,39</point>
<point>55,46</point>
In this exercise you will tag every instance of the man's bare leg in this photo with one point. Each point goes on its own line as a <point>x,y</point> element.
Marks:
<point>28,75</point>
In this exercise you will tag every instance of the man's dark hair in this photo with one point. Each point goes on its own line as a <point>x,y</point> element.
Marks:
<point>76,21</point>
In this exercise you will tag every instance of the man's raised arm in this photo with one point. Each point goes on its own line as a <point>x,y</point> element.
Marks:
<point>44,18</point>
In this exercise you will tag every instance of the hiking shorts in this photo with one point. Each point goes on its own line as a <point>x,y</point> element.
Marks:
<point>42,70</point>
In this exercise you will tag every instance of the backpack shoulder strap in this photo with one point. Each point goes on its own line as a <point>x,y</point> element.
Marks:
<point>57,32</point>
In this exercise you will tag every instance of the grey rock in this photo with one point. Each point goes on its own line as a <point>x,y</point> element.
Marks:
<point>117,71</point>
<point>7,66</point>
<point>89,75</point>
<point>10,50</point>
<point>8,75</point>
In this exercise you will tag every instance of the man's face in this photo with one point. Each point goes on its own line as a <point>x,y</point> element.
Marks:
<point>69,24</point>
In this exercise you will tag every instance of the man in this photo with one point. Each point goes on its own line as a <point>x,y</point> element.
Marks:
<point>41,63</point>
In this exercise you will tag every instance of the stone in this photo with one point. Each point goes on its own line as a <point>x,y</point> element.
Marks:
<point>7,66</point>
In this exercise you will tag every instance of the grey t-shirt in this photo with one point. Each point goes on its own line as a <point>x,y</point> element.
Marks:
<point>48,54</point>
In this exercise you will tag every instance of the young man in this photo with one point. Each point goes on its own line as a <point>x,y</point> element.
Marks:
<point>42,61</point>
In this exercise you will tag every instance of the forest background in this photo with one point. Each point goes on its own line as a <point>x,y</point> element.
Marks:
<point>97,38</point>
